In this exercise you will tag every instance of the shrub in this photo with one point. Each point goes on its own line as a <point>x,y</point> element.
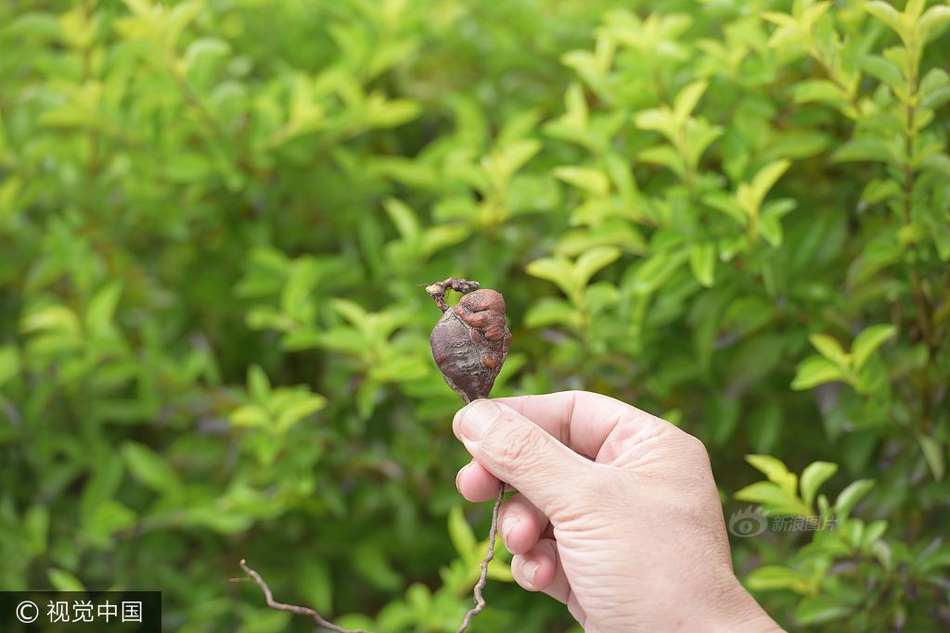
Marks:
<point>217,218</point>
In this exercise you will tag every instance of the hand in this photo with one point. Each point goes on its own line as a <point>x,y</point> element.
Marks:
<point>616,514</point>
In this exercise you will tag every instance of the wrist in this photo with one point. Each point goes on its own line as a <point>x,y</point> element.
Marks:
<point>715,606</point>
<point>735,610</point>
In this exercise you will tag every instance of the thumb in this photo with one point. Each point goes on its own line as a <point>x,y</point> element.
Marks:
<point>522,454</point>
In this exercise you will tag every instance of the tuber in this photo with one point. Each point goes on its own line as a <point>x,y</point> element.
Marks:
<point>471,340</point>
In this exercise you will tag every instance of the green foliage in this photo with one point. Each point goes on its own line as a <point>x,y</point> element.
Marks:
<point>848,567</point>
<point>217,217</point>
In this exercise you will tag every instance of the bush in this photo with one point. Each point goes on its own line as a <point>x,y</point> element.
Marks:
<point>217,216</point>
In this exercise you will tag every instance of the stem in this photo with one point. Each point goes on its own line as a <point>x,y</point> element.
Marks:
<point>835,78</point>
<point>924,310</point>
<point>483,576</point>
<point>323,622</point>
<point>92,166</point>
<point>292,608</point>
<point>194,100</point>
<point>920,299</point>
<point>438,289</point>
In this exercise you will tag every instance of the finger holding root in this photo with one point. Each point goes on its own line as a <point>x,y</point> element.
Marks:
<point>477,484</point>
<point>536,569</point>
<point>521,524</point>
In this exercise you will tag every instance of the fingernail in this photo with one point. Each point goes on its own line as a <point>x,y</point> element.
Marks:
<point>477,418</point>
<point>459,476</point>
<point>507,526</point>
<point>529,569</point>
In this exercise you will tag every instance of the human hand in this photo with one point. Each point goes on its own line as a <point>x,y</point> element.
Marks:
<point>616,514</point>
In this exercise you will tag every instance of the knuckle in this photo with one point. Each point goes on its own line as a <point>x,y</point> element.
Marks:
<point>697,444</point>
<point>518,449</point>
<point>694,447</point>
<point>700,451</point>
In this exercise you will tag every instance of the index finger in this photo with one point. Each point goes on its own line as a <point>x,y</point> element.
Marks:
<point>583,420</point>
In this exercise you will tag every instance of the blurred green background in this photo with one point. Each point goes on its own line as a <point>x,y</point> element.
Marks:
<point>217,218</point>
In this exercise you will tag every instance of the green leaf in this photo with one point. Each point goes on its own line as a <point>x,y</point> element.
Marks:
<point>687,99</point>
<point>935,18</point>
<point>549,311</point>
<point>820,609</point>
<point>663,155</point>
<point>391,113</point>
<point>656,270</point>
<point>661,120</point>
<point>501,165</point>
<point>297,410</point>
<point>770,224</point>
<point>36,529</point>
<point>594,260</point>
<point>728,205</point>
<point>354,313</point>
<point>776,577</point>
<point>188,168</point>
<point>214,518</point>
<point>107,519</point>
<point>575,105</point>
<point>499,570</point>
<point>556,269</point>
<point>593,181</point>
<point>35,26</point>
<point>766,178</point>
<point>814,475</point>
<point>850,496</point>
<point>315,583</point>
<point>791,32</point>
<point>884,70</point>
<point>53,318</point>
<point>866,149</point>
<point>884,12</point>
<point>697,139</point>
<point>814,371</point>
<point>820,90</point>
<point>101,309</point>
<point>702,261</point>
<point>773,498</point>
<point>462,535</point>
<point>618,167</point>
<point>775,470</point>
<point>404,219</point>
<point>258,386</point>
<point>875,530</point>
<point>249,416</point>
<point>868,341</point>
<point>150,468</point>
<point>934,89</point>
<point>105,478</point>
<point>830,349</point>
<point>913,9</point>
<point>371,562</point>
<point>9,363</point>
<point>205,51</point>
<point>935,454</point>
<point>62,580</point>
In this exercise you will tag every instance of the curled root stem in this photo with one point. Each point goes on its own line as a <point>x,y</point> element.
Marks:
<point>438,289</point>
